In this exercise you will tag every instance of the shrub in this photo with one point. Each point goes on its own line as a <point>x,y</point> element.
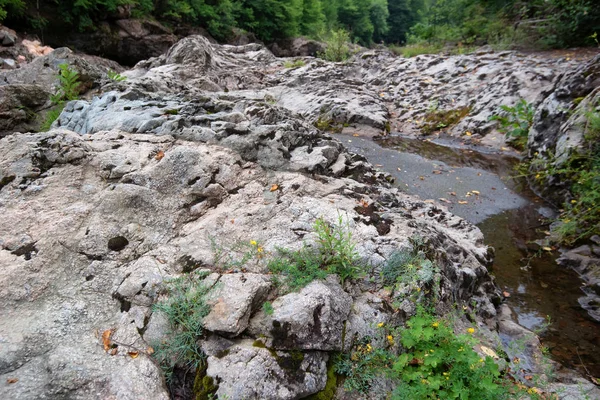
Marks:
<point>337,46</point>
<point>516,121</point>
<point>418,49</point>
<point>185,309</point>
<point>436,363</point>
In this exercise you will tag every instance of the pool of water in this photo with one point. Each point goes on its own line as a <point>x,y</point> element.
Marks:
<point>479,187</point>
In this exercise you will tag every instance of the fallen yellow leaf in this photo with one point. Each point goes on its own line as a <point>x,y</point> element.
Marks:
<point>12,380</point>
<point>160,155</point>
<point>106,339</point>
<point>468,133</point>
<point>476,192</point>
<point>547,248</point>
<point>133,354</point>
<point>274,187</point>
<point>489,352</point>
<point>463,202</point>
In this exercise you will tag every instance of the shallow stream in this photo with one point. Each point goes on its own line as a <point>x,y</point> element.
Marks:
<point>477,186</point>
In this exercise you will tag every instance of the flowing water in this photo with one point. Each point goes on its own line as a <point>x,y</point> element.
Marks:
<point>478,187</point>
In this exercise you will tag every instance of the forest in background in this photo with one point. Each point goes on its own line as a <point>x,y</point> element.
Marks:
<point>507,23</point>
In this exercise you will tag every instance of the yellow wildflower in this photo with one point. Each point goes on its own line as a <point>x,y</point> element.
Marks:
<point>253,242</point>
<point>369,348</point>
<point>260,249</point>
<point>390,339</point>
<point>435,324</point>
<point>471,331</point>
<point>380,325</point>
<point>481,360</point>
<point>573,201</point>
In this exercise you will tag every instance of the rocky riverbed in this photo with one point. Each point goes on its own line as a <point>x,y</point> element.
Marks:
<point>206,147</point>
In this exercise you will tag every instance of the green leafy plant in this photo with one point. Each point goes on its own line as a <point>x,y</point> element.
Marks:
<point>185,308</point>
<point>516,121</point>
<point>68,85</point>
<point>67,90</point>
<point>408,266</point>
<point>294,64</point>
<point>115,76</point>
<point>435,363</point>
<point>334,253</point>
<point>268,308</point>
<point>337,48</point>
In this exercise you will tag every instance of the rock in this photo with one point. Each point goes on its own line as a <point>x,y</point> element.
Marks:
<point>7,38</point>
<point>247,370</point>
<point>233,300</point>
<point>19,104</point>
<point>312,319</point>
<point>7,63</point>
<point>297,47</point>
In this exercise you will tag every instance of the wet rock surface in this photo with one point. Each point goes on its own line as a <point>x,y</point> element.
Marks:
<point>204,143</point>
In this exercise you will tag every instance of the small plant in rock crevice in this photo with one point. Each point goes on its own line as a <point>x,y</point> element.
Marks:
<point>515,121</point>
<point>67,90</point>
<point>185,309</point>
<point>294,64</point>
<point>115,76</point>
<point>333,253</point>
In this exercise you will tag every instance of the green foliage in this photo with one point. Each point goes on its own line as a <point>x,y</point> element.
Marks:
<point>115,76</point>
<point>51,116</point>
<point>334,253</point>
<point>580,172</point>
<point>407,267</point>
<point>68,85</point>
<point>13,6</point>
<point>413,50</point>
<point>516,121</point>
<point>294,64</point>
<point>436,363</point>
<point>67,90</point>
<point>337,48</point>
<point>436,119</point>
<point>268,308</point>
<point>185,308</point>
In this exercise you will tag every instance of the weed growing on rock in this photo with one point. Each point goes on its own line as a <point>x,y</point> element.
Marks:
<point>334,253</point>
<point>436,363</point>
<point>67,90</point>
<point>436,120</point>
<point>238,255</point>
<point>294,64</point>
<point>115,76</point>
<point>268,308</point>
<point>418,49</point>
<point>515,122</point>
<point>185,309</point>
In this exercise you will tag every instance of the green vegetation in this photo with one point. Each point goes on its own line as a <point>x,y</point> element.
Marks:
<point>334,253</point>
<point>185,308</point>
<point>337,46</point>
<point>515,122</point>
<point>435,363</point>
<point>268,308</point>
<point>67,90</point>
<point>115,76</point>
<point>417,49</point>
<point>580,216</point>
<point>294,64</point>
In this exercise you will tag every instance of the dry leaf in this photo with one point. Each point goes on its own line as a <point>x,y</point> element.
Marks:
<point>463,202</point>
<point>356,135</point>
<point>445,200</point>
<point>160,155</point>
<point>468,133</point>
<point>452,193</point>
<point>477,192</point>
<point>274,187</point>
<point>437,172</point>
<point>133,354</point>
<point>364,203</point>
<point>422,178</point>
<point>12,380</point>
<point>114,352</point>
<point>150,350</point>
<point>547,248</point>
<point>106,339</point>
<point>505,294</point>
